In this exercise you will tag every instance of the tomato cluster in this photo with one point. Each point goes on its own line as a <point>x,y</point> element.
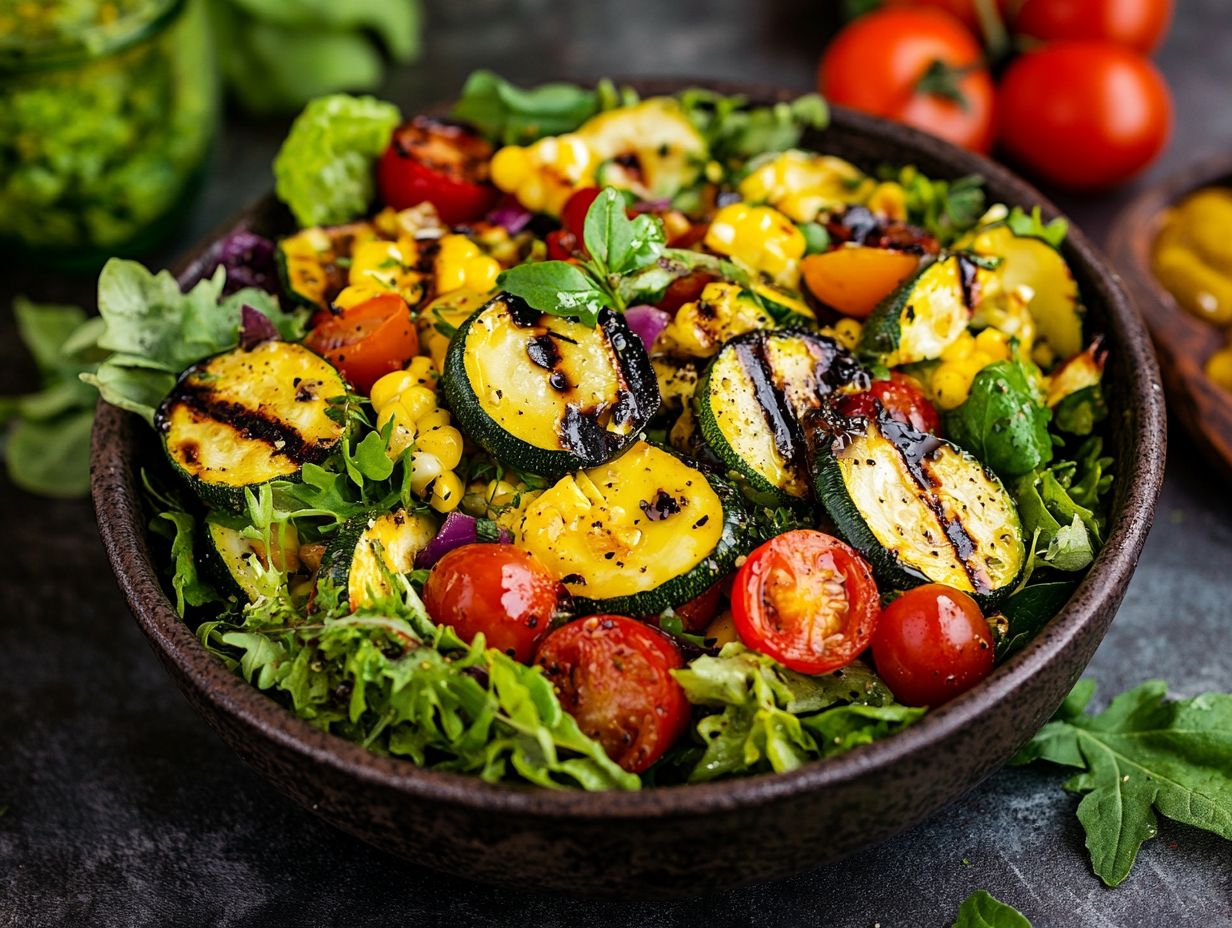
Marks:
<point>1081,106</point>
<point>804,598</point>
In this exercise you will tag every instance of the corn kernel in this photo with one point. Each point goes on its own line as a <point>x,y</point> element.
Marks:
<point>423,370</point>
<point>424,469</point>
<point>959,349</point>
<point>416,402</point>
<point>510,166</point>
<point>950,386</point>
<point>445,442</point>
<point>402,437</point>
<point>387,389</point>
<point>847,333</point>
<point>1219,368</point>
<point>446,492</point>
<point>437,419</point>
<point>993,343</point>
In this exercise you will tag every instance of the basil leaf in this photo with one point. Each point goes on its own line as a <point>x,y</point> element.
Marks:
<point>513,116</point>
<point>617,244</point>
<point>1002,422</point>
<point>980,910</point>
<point>557,287</point>
<point>1141,756</point>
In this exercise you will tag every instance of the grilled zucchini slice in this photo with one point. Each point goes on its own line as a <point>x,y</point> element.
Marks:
<point>229,556</point>
<point>368,548</point>
<point>642,533</point>
<point>919,508</point>
<point>924,316</point>
<point>315,262</point>
<point>752,398</point>
<point>248,416</point>
<point>547,394</point>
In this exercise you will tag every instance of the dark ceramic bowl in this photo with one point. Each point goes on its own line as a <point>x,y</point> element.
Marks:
<point>693,838</point>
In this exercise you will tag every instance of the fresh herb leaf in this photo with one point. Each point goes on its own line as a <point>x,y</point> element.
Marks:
<point>1003,422</point>
<point>617,244</point>
<point>772,718</point>
<point>324,169</point>
<point>510,115</point>
<point>557,287</point>
<point>1028,611</point>
<point>1141,756</point>
<point>1031,224</point>
<point>947,209</point>
<point>190,588</point>
<point>980,910</point>
<point>735,132</point>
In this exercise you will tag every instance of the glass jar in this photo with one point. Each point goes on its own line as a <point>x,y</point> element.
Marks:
<point>107,112</point>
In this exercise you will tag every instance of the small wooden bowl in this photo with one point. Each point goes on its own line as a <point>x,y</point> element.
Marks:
<point>1182,342</point>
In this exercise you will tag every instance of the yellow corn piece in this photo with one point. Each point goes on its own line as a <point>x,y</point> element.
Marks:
<point>443,441</point>
<point>759,237</point>
<point>387,389</point>
<point>446,492</point>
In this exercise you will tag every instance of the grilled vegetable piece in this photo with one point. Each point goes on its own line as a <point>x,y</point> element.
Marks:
<point>248,416</point>
<point>315,262</point>
<point>640,534</point>
<point>1032,262</point>
<point>547,394</point>
<point>651,148</point>
<point>368,548</point>
<point>229,555</point>
<point>925,315</point>
<point>919,508</point>
<point>752,398</point>
<point>723,311</point>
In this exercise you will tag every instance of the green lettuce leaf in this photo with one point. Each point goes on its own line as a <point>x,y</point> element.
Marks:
<point>1141,756</point>
<point>1003,422</point>
<point>324,169</point>
<point>772,718</point>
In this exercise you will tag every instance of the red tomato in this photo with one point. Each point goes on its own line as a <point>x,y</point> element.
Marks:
<point>500,590</point>
<point>807,600</point>
<point>965,11</point>
<point>561,244</point>
<point>686,289</point>
<point>440,163</point>
<point>901,396</point>
<point>573,216</point>
<point>931,644</point>
<point>1083,115</point>
<point>368,340</point>
<point>700,611</point>
<point>876,64</point>
<point>1136,24</point>
<point>613,674</point>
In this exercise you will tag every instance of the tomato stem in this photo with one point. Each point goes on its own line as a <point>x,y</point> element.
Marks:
<point>941,80</point>
<point>996,36</point>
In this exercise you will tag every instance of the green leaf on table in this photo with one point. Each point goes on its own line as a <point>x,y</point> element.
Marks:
<point>557,287</point>
<point>1141,756</point>
<point>52,457</point>
<point>1003,421</point>
<point>324,169</point>
<point>981,910</point>
<point>510,115</point>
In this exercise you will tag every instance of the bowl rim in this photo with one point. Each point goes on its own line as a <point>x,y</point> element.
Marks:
<point>114,489</point>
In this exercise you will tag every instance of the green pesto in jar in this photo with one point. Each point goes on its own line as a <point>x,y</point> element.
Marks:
<point>107,110</point>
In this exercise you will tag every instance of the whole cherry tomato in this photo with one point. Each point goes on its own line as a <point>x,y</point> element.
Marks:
<point>573,215</point>
<point>613,675</point>
<point>931,644</point>
<point>561,244</point>
<point>915,66</point>
<point>367,340</point>
<point>686,289</point>
<point>807,600</point>
<point>1083,115</point>
<point>901,396</point>
<point>965,11</point>
<point>1137,24</point>
<point>439,163</point>
<point>500,590</point>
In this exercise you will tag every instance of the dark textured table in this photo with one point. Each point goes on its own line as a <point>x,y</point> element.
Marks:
<point>122,808</point>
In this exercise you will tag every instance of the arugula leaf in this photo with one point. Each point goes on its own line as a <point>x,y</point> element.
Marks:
<point>1141,756</point>
<point>1029,610</point>
<point>980,910</point>
<point>735,132</point>
<point>511,116</point>
<point>323,171</point>
<point>557,287</point>
<point>190,588</point>
<point>772,718</point>
<point>154,331</point>
<point>1032,225</point>
<point>1003,422</point>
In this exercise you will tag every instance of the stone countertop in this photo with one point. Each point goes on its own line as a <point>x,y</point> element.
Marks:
<point>120,808</point>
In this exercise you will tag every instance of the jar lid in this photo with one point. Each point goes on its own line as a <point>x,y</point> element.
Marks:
<point>40,34</point>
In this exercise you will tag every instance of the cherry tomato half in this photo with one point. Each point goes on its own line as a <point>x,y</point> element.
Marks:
<point>901,396</point>
<point>1137,24</point>
<point>562,245</point>
<point>912,65</point>
<point>613,675</point>
<point>686,289</point>
<point>439,163</point>
<point>367,340</point>
<point>807,600</point>
<point>1083,115</point>
<point>500,590</point>
<point>931,644</point>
